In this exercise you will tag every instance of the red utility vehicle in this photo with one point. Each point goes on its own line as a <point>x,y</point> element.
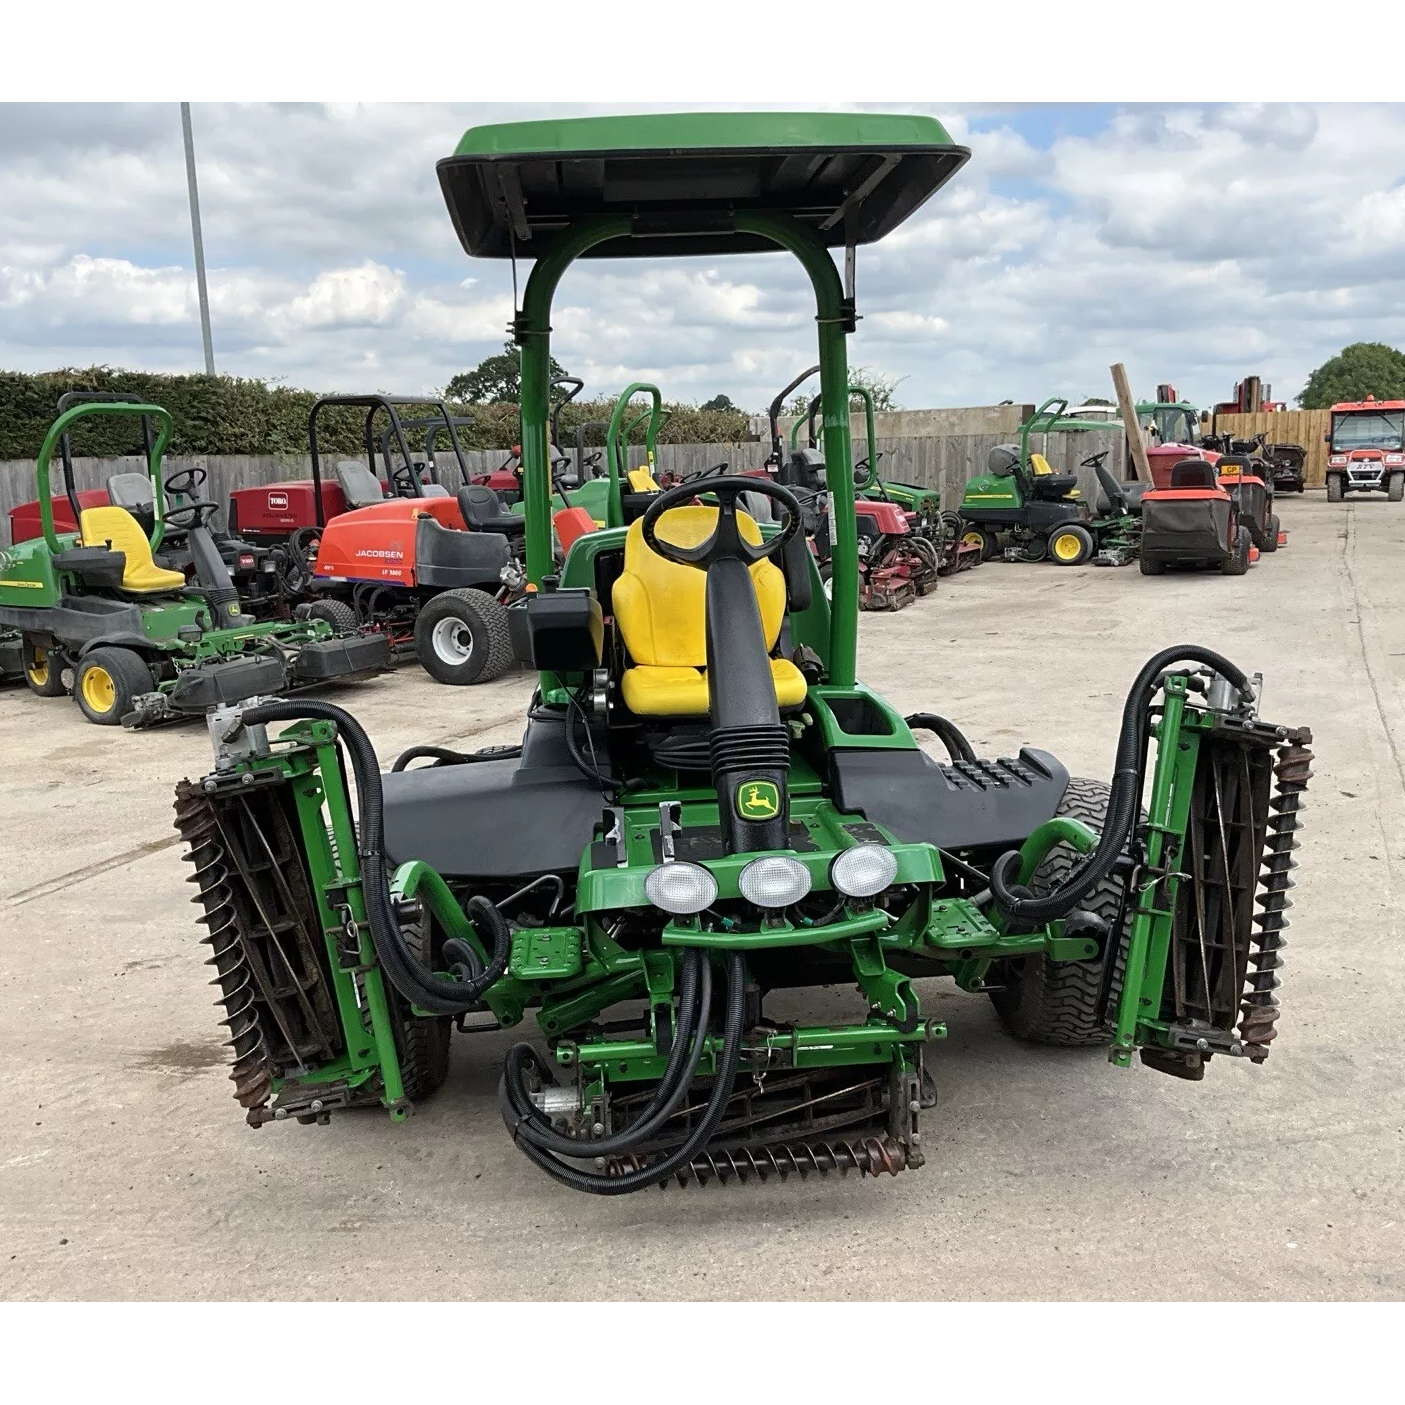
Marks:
<point>1366,449</point>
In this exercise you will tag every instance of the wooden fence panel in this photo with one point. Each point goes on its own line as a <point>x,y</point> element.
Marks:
<point>947,463</point>
<point>1305,427</point>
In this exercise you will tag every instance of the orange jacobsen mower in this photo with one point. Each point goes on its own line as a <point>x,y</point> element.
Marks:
<point>434,572</point>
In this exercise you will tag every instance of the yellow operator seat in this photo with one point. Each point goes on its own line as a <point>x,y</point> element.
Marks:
<point>660,609</point>
<point>116,528</point>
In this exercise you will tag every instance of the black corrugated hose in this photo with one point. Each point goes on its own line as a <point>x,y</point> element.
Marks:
<point>1124,802</point>
<point>410,976</point>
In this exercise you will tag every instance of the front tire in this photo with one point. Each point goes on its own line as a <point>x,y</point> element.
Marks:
<point>422,1041</point>
<point>1150,566</point>
<point>461,637</point>
<point>1271,533</point>
<point>1335,487</point>
<point>1070,546</point>
<point>1238,562</point>
<point>43,670</point>
<point>1395,489</point>
<point>988,541</point>
<point>1067,1003</point>
<point>107,683</point>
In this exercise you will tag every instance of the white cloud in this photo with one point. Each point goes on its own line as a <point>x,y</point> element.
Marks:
<point>1194,243</point>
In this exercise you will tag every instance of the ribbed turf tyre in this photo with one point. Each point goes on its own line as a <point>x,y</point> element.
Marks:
<point>1271,533</point>
<point>461,637</point>
<point>1238,562</point>
<point>421,1040</point>
<point>1071,545</point>
<point>1065,1002</point>
<point>1335,485</point>
<point>1150,566</point>
<point>337,613</point>
<point>1395,488</point>
<point>988,541</point>
<point>107,682</point>
<point>43,671</point>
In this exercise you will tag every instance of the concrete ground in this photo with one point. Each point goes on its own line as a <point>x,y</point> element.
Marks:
<point>127,1170</point>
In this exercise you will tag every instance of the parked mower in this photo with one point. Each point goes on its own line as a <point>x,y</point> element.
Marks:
<point>1195,522</point>
<point>1021,510</point>
<point>268,579</point>
<point>1248,480</point>
<point>707,808</point>
<point>1366,449</point>
<point>141,644</point>
<point>896,565</point>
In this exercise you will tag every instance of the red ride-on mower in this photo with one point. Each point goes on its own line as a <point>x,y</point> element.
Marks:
<point>1239,475</point>
<point>295,512</point>
<point>1193,523</point>
<point>434,573</point>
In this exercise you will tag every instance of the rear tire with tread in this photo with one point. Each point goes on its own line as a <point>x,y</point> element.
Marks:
<point>1151,566</point>
<point>337,613</point>
<point>1271,533</point>
<point>422,1041</point>
<point>43,670</point>
<point>480,648</point>
<point>1067,1003</point>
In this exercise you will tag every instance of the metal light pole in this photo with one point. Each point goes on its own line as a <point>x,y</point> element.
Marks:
<point>199,242</point>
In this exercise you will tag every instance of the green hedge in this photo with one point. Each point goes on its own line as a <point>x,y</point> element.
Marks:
<point>231,415</point>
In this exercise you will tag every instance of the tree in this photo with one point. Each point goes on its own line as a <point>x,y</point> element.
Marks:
<point>719,402</point>
<point>884,389</point>
<point>1356,371</point>
<point>495,380</point>
<point>1097,400</point>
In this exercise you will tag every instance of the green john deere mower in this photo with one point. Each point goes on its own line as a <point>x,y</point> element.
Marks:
<point>140,644</point>
<point>709,814</point>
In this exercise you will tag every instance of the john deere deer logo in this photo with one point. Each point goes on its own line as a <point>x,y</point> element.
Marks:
<point>758,800</point>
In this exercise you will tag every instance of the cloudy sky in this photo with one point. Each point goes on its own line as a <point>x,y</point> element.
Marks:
<point>1195,243</point>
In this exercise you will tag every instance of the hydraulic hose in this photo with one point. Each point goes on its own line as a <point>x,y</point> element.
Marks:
<point>525,1120</point>
<point>1124,801</point>
<point>410,976</point>
<point>447,756</point>
<point>950,735</point>
<point>727,1063</point>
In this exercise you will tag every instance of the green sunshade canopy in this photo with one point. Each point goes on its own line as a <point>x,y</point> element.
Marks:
<point>850,177</point>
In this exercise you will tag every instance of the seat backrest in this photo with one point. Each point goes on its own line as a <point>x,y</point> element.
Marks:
<point>1039,465</point>
<point>359,485</point>
<point>1194,473</point>
<point>660,605</point>
<point>117,528</point>
<point>641,481</point>
<point>132,491</point>
<point>434,490</point>
<point>479,505</point>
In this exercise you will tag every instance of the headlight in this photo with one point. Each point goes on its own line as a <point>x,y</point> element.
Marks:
<point>864,871</point>
<point>681,888</point>
<point>1394,459</point>
<point>1337,459</point>
<point>774,882</point>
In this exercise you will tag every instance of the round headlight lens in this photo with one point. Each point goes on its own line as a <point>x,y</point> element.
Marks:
<point>776,881</point>
<point>864,871</point>
<point>681,888</point>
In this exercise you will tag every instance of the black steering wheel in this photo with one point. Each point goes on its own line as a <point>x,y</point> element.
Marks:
<point>406,481</point>
<point>726,542</point>
<point>185,482</point>
<point>194,513</point>
<point>1095,460</point>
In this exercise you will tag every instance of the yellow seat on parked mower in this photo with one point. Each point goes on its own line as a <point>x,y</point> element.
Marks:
<point>116,528</point>
<point>660,609</point>
<point>642,481</point>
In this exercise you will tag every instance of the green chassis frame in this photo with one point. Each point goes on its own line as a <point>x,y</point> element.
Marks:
<point>29,579</point>
<point>570,973</point>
